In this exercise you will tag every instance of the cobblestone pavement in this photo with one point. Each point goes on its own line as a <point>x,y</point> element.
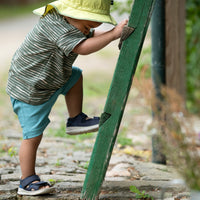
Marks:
<point>62,162</point>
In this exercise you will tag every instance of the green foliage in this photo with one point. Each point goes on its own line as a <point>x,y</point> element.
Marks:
<point>53,181</point>
<point>85,165</point>
<point>12,152</point>
<point>140,195</point>
<point>193,52</point>
<point>58,164</point>
<point>122,6</point>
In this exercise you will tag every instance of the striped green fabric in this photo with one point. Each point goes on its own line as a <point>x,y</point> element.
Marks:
<point>43,63</point>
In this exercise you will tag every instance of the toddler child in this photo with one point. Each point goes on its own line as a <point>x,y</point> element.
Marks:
<point>41,70</point>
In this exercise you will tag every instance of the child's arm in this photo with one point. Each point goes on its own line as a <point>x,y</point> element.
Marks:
<point>97,42</point>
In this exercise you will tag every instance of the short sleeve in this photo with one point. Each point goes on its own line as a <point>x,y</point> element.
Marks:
<point>68,41</point>
<point>60,33</point>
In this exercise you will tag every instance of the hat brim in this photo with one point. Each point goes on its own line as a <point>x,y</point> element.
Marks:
<point>71,12</point>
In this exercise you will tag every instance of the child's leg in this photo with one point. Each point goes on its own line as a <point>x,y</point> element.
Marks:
<point>27,155</point>
<point>78,122</point>
<point>33,120</point>
<point>74,98</point>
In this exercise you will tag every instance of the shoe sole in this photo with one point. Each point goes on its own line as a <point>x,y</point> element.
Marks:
<point>81,130</point>
<point>35,192</point>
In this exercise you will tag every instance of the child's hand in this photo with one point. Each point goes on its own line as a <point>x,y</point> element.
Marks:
<point>118,29</point>
<point>99,41</point>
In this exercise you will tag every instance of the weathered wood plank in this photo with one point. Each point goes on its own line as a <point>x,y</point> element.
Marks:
<point>117,97</point>
<point>175,46</point>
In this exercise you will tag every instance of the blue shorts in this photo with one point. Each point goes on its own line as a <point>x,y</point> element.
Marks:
<point>35,118</point>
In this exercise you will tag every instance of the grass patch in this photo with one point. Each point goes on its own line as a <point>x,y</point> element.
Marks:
<point>3,82</point>
<point>96,85</point>
<point>139,194</point>
<point>84,165</point>
<point>144,61</point>
<point>105,53</point>
<point>122,138</point>
<point>61,132</point>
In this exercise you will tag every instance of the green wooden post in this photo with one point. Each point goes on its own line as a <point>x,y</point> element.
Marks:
<point>117,97</point>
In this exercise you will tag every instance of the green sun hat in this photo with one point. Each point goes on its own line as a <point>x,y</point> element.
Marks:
<point>92,10</point>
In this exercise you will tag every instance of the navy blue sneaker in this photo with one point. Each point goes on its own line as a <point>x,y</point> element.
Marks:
<point>82,124</point>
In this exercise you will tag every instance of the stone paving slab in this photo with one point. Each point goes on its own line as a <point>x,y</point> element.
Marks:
<point>60,164</point>
<point>110,190</point>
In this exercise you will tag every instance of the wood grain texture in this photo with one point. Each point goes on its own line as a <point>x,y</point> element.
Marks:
<point>175,46</point>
